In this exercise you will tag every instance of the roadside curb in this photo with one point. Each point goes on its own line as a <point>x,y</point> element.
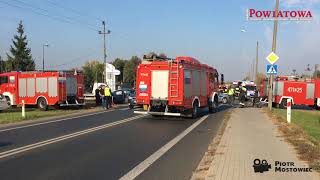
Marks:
<point>203,167</point>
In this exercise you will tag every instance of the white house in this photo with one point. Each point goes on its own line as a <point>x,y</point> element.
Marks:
<point>111,73</point>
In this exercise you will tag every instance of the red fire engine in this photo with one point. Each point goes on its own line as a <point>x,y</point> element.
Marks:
<point>176,87</point>
<point>42,88</point>
<point>301,92</point>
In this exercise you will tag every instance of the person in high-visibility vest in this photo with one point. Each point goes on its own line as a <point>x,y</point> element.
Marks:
<point>107,95</point>
<point>231,94</point>
<point>237,91</point>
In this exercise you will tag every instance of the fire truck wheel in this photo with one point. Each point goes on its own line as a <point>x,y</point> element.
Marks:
<point>213,107</point>
<point>283,104</point>
<point>8,101</point>
<point>42,104</point>
<point>195,109</point>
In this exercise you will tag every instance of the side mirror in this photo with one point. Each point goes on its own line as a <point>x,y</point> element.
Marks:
<point>222,78</point>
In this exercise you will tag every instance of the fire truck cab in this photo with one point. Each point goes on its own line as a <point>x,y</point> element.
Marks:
<point>176,87</point>
<point>42,88</point>
<point>301,92</point>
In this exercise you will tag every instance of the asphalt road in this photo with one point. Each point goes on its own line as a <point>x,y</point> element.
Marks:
<point>106,146</point>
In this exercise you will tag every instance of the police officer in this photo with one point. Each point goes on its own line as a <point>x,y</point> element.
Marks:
<point>107,96</point>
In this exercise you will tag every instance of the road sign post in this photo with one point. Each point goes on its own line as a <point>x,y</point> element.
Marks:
<point>272,58</point>
<point>23,113</point>
<point>289,110</point>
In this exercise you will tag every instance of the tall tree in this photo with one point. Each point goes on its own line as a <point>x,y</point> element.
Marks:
<point>20,58</point>
<point>93,72</point>
<point>2,65</point>
<point>119,64</point>
<point>130,69</point>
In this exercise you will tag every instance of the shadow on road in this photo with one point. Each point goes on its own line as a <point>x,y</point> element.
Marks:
<point>4,144</point>
<point>202,112</point>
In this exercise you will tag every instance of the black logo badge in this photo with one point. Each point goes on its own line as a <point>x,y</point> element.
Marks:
<point>261,166</point>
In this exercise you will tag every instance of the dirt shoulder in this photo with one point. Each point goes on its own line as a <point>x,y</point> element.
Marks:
<point>298,134</point>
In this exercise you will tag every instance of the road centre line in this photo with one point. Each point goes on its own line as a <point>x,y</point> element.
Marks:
<point>64,137</point>
<point>140,168</point>
<point>54,121</point>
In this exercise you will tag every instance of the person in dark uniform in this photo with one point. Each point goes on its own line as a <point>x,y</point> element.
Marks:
<point>242,95</point>
<point>98,97</point>
<point>102,96</point>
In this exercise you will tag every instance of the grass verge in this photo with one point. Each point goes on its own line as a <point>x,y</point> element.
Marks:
<point>303,133</point>
<point>31,114</point>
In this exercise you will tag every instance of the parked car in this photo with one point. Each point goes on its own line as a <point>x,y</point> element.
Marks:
<point>119,97</point>
<point>132,99</point>
<point>3,103</point>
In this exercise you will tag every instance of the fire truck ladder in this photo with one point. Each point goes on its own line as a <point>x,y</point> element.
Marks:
<point>173,79</point>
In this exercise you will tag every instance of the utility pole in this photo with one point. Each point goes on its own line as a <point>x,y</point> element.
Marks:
<point>274,48</point>
<point>104,33</point>
<point>43,46</point>
<point>253,72</point>
<point>257,62</point>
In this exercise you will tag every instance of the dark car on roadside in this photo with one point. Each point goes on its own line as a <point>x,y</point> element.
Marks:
<point>132,99</point>
<point>120,97</point>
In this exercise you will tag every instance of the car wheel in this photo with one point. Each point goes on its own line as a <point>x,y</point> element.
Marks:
<point>8,101</point>
<point>224,100</point>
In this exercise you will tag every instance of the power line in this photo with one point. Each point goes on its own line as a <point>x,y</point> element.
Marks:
<point>45,10</point>
<point>73,10</point>
<point>72,61</point>
<point>56,18</point>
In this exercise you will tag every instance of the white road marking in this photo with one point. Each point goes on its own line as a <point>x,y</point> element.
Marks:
<point>64,137</point>
<point>124,109</point>
<point>136,171</point>
<point>54,121</point>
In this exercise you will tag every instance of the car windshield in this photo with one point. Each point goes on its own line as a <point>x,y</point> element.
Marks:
<point>251,88</point>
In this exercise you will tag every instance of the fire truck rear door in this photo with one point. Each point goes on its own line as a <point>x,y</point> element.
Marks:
<point>310,91</point>
<point>159,84</point>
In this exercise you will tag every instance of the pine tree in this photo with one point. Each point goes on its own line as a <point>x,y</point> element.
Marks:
<point>20,58</point>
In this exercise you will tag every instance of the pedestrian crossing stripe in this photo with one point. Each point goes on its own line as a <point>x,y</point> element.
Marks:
<point>272,69</point>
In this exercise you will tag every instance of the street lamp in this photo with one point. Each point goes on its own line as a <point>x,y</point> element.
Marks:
<point>43,46</point>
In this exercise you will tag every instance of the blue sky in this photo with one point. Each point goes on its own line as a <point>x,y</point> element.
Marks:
<point>205,29</point>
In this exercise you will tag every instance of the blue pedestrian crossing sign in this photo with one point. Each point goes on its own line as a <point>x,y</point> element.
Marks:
<point>272,69</point>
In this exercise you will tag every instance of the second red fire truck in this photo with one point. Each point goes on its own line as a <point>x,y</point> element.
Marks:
<point>301,92</point>
<point>176,87</point>
<point>42,88</point>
